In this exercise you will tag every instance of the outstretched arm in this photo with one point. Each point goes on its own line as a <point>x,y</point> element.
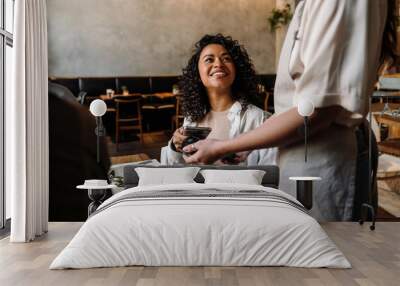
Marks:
<point>279,130</point>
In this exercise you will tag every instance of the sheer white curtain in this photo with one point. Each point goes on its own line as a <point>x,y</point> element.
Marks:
<point>27,124</point>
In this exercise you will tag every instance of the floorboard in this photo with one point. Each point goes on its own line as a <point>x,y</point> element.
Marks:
<point>374,255</point>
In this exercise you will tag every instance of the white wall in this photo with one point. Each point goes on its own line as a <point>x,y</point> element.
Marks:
<point>150,37</point>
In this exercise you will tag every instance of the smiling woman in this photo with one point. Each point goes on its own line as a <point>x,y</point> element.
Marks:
<point>212,54</point>
<point>216,68</point>
<point>219,89</point>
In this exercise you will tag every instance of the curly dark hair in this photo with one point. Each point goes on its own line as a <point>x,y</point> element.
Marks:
<point>195,104</point>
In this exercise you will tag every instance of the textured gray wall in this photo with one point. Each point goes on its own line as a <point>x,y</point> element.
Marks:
<point>150,37</point>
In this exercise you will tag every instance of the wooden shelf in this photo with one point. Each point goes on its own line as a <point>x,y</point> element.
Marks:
<point>391,147</point>
<point>392,122</point>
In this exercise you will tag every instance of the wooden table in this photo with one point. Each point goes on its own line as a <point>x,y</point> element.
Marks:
<point>106,97</point>
<point>161,95</point>
<point>164,95</point>
<point>374,255</point>
<point>129,158</point>
<point>110,100</point>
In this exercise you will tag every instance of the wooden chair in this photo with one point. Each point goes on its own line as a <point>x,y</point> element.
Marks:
<point>128,116</point>
<point>153,105</point>
<point>263,98</point>
<point>266,107</point>
<point>177,119</point>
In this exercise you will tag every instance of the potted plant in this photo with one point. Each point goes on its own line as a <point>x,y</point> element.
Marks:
<point>280,17</point>
<point>175,89</point>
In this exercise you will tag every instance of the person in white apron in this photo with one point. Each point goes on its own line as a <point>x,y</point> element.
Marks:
<point>330,56</point>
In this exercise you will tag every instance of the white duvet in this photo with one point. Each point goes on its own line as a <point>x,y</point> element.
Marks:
<point>204,231</point>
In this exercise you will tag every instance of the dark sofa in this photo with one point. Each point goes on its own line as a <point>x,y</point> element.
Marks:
<point>72,155</point>
<point>95,86</point>
<point>135,84</point>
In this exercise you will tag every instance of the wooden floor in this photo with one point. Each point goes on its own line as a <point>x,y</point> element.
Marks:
<point>152,143</point>
<point>375,257</point>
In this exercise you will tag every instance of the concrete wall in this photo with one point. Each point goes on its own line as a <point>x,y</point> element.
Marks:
<point>280,33</point>
<point>150,37</point>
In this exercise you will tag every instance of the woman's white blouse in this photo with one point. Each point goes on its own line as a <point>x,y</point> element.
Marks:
<point>240,122</point>
<point>327,57</point>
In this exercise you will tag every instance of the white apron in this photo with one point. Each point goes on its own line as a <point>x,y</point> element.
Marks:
<point>332,153</point>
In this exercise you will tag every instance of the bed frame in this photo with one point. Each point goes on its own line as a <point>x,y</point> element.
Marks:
<point>270,179</point>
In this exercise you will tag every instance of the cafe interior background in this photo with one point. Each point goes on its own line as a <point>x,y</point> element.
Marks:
<point>101,49</point>
<point>130,47</point>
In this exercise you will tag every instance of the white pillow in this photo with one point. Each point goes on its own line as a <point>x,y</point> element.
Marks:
<point>166,176</point>
<point>248,177</point>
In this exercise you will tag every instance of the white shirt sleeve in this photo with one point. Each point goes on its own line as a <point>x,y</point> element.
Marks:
<point>168,155</point>
<point>252,119</point>
<point>335,57</point>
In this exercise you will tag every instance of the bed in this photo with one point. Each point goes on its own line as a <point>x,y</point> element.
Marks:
<point>201,224</point>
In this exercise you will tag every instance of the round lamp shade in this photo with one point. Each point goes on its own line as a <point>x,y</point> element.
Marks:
<point>305,107</point>
<point>98,107</point>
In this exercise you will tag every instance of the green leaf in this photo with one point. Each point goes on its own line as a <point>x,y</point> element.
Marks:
<point>280,17</point>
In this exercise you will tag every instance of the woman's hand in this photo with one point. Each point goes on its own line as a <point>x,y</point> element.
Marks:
<point>178,138</point>
<point>205,151</point>
<point>236,158</point>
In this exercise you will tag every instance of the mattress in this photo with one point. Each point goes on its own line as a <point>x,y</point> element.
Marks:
<point>201,225</point>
